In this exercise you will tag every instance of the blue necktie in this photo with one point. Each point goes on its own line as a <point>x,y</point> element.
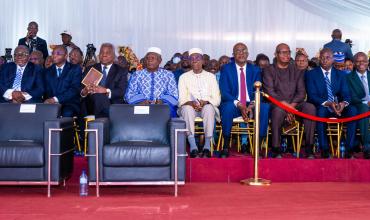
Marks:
<point>328,88</point>
<point>104,78</point>
<point>59,72</point>
<point>18,80</point>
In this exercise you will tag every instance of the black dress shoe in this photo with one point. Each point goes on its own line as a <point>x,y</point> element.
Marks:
<point>206,153</point>
<point>194,154</point>
<point>224,153</point>
<point>244,148</point>
<point>349,155</point>
<point>367,155</point>
<point>325,154</point>
<point>309,152</point>
<point>276,152</point>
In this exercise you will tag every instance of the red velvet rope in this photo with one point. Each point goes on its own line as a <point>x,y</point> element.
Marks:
<point>315,118</point>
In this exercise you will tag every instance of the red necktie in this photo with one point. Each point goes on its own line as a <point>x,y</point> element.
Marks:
<point>243,88</point>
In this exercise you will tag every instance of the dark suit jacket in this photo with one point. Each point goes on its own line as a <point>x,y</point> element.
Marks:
<point>116,81</point>
<point>316,86</point>
<point>66,87</point>
<point>229,87</point>
<point>32,80</point>
<point>40,45</point>
<point>356,87</point>
<point>284,84</point>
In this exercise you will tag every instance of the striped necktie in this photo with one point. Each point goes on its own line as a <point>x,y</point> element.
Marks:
<point>328,88</point>
<point>18,80</point>
<point>366,87</point>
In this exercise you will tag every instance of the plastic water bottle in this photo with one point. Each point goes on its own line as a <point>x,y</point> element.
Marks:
<point>284,144</point>
<point>316,145</point>
<point>83,184</point>
<point>342,149</point>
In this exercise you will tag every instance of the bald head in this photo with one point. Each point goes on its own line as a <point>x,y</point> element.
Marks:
<point>281,46</point>
<point>336,34</point>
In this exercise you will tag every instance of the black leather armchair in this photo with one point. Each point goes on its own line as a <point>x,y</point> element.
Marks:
<point>27,142</point>
<point>136,146</point>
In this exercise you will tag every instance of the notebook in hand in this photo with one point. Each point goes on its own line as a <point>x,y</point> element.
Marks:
<point>92,77</point>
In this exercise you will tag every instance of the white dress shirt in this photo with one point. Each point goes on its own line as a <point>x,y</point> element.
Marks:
<point>8,93</point>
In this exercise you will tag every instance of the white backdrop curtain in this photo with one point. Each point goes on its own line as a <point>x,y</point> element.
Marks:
<point>177,25</point>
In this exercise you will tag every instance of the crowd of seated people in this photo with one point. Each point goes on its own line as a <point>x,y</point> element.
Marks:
<point>333,84</point>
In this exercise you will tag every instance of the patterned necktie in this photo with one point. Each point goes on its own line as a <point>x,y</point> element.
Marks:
<point>104,78</point>
<point>59,72</point>
<point>328,88</point>
<point>18,80</point>
<point>243,92</point>
<point>366,87</point>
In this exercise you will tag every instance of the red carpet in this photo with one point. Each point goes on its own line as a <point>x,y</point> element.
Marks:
<point>195,201</point>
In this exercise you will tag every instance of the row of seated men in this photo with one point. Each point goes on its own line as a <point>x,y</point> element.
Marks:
<point>330,93</point>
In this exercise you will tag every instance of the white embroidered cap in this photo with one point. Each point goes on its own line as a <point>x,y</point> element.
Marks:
<point>195,50</point>
<point>154,50</point>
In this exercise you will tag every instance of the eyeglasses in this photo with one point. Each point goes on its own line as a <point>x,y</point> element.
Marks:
<point>21,54</point>
<point>241,51</point>
<point>284,52</point>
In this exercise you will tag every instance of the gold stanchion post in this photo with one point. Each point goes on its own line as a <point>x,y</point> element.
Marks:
<point>256,181</point>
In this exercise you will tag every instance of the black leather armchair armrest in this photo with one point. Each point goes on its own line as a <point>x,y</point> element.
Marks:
<point>102,126</point>
<point>177,123</point>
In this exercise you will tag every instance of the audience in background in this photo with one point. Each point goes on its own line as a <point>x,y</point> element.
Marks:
<point>301,61</point>
<point>36,57</point>
<point>262,61</point>
<point>223,60</point>
<point>32,41</point>
<point>76,56</point>
<point>337,46</point>
<point>184,66</point>
<point>214,67</point>
<point>48,62</point>
<point>67,41</point>
<point>348,65</point>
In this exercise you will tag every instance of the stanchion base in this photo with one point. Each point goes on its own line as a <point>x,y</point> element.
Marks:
<point>256,182</point>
